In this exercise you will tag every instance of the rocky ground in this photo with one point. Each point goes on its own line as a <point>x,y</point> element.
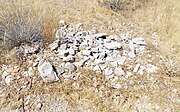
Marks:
<point>86,70</point>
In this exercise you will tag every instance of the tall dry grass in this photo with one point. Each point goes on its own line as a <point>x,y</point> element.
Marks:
<point>157,15</point>
<point>162,16</point>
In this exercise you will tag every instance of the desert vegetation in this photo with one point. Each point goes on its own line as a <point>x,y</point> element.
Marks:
<point>35,22</point>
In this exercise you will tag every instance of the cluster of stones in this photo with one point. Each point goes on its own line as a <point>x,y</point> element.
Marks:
<point>75,48</point>
<point>113,55</point>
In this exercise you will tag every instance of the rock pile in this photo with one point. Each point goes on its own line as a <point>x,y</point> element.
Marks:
<point>120,58</point>
<point>107,54</point>
<point>116,56</point>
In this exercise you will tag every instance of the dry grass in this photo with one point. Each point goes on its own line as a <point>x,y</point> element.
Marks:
<point>20,23</point>
<point>96,94</point>
<point>161,16</point>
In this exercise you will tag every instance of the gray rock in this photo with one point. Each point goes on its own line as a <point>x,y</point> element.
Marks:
<point>99,61</point>
<point>96,68</point>
<point>109,59</point>
<point>79,26</point>
<point>131,47</point>
<point>30,71</point>
<point>110,77</point>
<point>63,53</point>
<point>109,52</point>
<point>30,49</point>
<point>60,70</point>
<point>4,74</point>
<point>93,31</point>
<point>95,50</point>
<point>151,68</point>
<point>39,106</point>
<point>103,67</point>
<point>36,61</point>
<point>100,41</point>
<point>83,45</point>
<point>86,52</point>
<point>140,49</point>
<point>47,72</point>
<point>69,58</point>
<point>62,23</point>
<point>35,64</point>
<point>70,66</point>
<point>63,46</point>
<point>116,38</point>
<point>71,51</point>
<point>58,34</point>
<point>119,59</point>
<point>95,55</point>
<point>117,86</point>
<point>107,40</point>
<point>108,71</point>
<point>8,79</point>
<point>126,36</point>
<point>114,64</point>
<point>100,35</point>
<point>118,71</point>
<point>139,41</point>
<point>141,70</point>
<point>102,55</point>
<point>131,55</point>
<point>113,45</point>
<point>54,45</point>
<point>82,62</point>
<point>101,48</point>
<point>128,74</point>
<point>136,68</point>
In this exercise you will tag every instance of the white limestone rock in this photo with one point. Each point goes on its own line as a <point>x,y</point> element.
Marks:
<point>86,52</point>
<point>120,59</point>
<point>36,61</point>
<point>136,68</point>
<point>119,71</point>
<point>63,53</point>
<point>132,55</point>
<point>30,49</point>
<point>79,26</point>
<point>117,86</point>
<point>113,45</point>
<point>47,72</point>
<point>108,71</point>
<point>100,35</point>
<point>151,68</point>
<point>54,45</point>
<point>71,51</point>
<point>60,70</point>
<point>139,41</point>
<point>70,66</point>
<point>141,70</point>
<point>69,58</point>
<point>4,74</point>
<point>95,50</point>
<point>62,23</point>
<point>128,74</point>
<point>82,62</point>
<point>9,79</point>
<point>99,61</point>
<point>96,68</point>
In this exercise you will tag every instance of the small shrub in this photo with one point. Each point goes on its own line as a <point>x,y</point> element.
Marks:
<point>19,23</point>
<point>118,5</point>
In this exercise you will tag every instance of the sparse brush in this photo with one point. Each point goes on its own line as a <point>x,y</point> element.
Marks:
<point>20,23</point>
<point>118,5</point>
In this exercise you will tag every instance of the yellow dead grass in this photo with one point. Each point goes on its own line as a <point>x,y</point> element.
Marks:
<point>156,16</point>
